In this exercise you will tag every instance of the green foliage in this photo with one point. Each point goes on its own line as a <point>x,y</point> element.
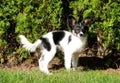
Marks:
<point>34,18</point>
<point>106,20</point>
<point>31,18</point>
<point>38,17</point>
<point>23,54</point>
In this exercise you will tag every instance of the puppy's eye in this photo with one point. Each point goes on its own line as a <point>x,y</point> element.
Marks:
<point>86,27</point>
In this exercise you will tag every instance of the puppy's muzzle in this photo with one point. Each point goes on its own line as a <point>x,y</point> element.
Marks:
<point>81,34</point>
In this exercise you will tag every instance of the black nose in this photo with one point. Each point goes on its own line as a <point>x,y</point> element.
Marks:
<point>81,34</point>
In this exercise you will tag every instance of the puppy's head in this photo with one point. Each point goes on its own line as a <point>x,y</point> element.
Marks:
<point>79,29</point>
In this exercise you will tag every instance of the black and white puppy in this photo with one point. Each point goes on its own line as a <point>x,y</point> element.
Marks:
<point>72,44</point>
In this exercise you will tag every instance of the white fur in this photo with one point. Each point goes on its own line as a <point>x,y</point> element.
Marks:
<point>29,46</point>
<point>71,51</point>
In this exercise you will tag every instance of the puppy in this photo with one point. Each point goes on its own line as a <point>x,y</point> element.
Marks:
<point>71,44</point>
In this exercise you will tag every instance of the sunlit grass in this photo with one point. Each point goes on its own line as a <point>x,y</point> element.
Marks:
<point>63,76</point>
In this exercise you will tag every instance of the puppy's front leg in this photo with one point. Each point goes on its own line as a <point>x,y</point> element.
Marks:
<point>75,61</point>
<point>67,59</point>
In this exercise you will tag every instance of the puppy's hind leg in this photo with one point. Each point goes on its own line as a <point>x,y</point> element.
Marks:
<point>44,60</point>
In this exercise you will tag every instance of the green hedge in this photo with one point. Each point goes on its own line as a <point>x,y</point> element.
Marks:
<point>34,18</point>
<point>105,15</point>
<point>31,18</point>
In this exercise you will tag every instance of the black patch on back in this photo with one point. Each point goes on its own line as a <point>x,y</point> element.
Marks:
<point>58,36</point>
<point>69,39</point>
<point>46,43</point>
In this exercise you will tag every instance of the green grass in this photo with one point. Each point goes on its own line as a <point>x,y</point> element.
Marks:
<point>34,76</point>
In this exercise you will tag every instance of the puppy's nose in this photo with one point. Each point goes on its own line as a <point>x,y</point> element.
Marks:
<point>81,34</point>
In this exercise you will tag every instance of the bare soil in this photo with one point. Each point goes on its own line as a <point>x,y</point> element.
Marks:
<point>85,64</point>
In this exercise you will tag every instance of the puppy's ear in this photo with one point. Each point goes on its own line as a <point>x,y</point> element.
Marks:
<point>71,21</point>
<point>87,21</point>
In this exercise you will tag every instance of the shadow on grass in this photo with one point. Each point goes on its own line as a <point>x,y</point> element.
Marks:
<point>93,63</point>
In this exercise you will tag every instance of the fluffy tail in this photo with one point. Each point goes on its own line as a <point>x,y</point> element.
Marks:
<point>29,46</point>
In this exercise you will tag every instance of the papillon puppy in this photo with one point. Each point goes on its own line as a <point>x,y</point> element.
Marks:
<point>70,43</point>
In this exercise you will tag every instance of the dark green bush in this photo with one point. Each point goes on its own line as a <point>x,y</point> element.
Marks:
<point>34,18</point>
<point>31,18</point>
<point>105,15</point>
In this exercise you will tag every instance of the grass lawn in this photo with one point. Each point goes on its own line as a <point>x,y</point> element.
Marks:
<point>62,76</point>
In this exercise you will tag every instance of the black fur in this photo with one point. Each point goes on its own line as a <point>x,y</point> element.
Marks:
<point>58,36</point>
<point>69,39</point>
<point>46,43</point>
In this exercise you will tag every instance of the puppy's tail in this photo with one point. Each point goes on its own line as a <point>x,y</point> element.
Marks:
<point>29,46</point>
